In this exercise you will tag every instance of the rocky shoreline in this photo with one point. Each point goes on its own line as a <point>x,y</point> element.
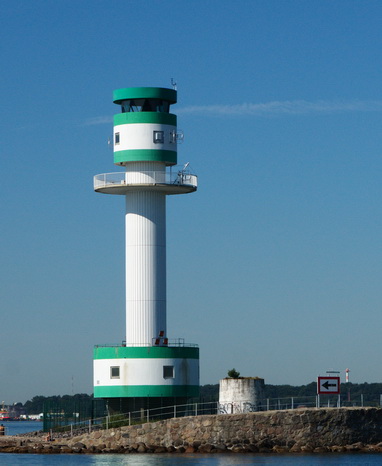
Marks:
<point>299,431</point>
<point>29,445</point>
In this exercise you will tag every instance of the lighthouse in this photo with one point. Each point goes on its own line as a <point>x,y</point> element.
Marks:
<point>149,369</point>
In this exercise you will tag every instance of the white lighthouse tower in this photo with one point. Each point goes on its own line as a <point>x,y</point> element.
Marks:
<point>149,369</point>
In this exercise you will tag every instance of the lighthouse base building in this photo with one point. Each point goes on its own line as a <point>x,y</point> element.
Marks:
<point>131,378</point>
<point>148,369</point>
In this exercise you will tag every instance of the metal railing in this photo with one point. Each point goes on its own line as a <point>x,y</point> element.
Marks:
<point>212,408</point>
<point>137,417</point>
<point>180,178</point>
<point>171,343</point>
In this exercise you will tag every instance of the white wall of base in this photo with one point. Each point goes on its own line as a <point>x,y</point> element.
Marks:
<point>240,395</point>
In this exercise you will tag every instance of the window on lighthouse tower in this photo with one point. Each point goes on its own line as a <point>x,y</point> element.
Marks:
<point>145,105</point>
<point>114,372</point>
<point>158,137</point>
<point>168,372</point>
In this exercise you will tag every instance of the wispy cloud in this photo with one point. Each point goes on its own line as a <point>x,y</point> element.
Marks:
<point>275,108</point>
<point>100,120</point>
<point>286,107</point>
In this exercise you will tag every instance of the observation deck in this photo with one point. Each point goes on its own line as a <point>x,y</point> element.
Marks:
<point>168,182</point>
<point>170,343</point>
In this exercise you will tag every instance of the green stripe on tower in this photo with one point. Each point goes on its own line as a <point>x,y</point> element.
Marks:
<point>151,352</point>
<point>146,155</point>
<point>145,117</point>
<point>119,391</point>
<point>144,93</point>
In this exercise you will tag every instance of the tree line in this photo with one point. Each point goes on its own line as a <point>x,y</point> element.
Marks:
<point>211,393</point>
<point>355,390</point>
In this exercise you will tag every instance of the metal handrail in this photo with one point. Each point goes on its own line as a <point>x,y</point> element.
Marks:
<point>180,178</point>
<point>175,342</point>
<point>212,407</point>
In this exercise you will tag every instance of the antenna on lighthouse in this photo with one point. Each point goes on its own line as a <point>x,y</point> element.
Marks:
<point>173,84</point>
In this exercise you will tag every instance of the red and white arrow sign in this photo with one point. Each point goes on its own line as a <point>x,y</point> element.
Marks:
<point>328,385</point>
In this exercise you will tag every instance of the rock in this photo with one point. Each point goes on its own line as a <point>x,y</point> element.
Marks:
<point>205,448</point>
<point>253,448</point>
<point>79,445</point>
<point>152,447</point>
<point>66,450</point>
<point>320,450</point>
<point>190,449</point>
<point>373,448</point>
<point>295,448</point>
<point>355,447</point>
<point>264,450</point>
<point>221,447</point>
<point>160,450</point>
<point>238,449</point>
<point>207,423</point>
<point>337,449</point>
<point>142,448</point>
<point>280,449</point>
<point>307,449</point>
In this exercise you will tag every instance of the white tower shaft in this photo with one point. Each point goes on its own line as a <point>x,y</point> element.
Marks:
<point>145,259</point>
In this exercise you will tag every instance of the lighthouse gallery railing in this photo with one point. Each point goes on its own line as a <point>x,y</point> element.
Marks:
<point>181,178</point>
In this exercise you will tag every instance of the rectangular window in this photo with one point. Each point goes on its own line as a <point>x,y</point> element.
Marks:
<point>114,372</point>
<point>172,137</point>
<point>168,372</point>
<point>116,138</point>
<point>158,137</point>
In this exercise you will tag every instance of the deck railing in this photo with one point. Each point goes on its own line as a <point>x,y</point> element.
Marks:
<point>180,178</point>
<point>170,342</point>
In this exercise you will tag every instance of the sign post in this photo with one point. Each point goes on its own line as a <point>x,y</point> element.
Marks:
<point>328,386</point>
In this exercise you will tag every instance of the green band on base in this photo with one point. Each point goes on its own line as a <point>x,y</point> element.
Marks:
<point>120,391</point>
<point>150,352</point>
<point>144,117</point>
<point>169,157</point>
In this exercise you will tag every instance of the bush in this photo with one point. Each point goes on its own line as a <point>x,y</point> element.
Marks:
<point>233,374</point>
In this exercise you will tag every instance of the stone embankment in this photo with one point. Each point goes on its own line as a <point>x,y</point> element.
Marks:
<point>300,430</point>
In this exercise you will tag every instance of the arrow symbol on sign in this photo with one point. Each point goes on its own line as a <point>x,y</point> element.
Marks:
<point>327,385</point>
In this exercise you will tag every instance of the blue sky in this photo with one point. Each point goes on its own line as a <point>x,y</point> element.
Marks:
<point>275,264</point>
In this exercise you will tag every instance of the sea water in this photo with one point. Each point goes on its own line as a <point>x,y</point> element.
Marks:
<point>21,427</point>
<point>178,459</point>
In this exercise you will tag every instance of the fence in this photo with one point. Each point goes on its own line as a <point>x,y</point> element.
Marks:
<point>62,413</point>
<point>76,426</point>
<point>321,401</point>
<point>180,177</point>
